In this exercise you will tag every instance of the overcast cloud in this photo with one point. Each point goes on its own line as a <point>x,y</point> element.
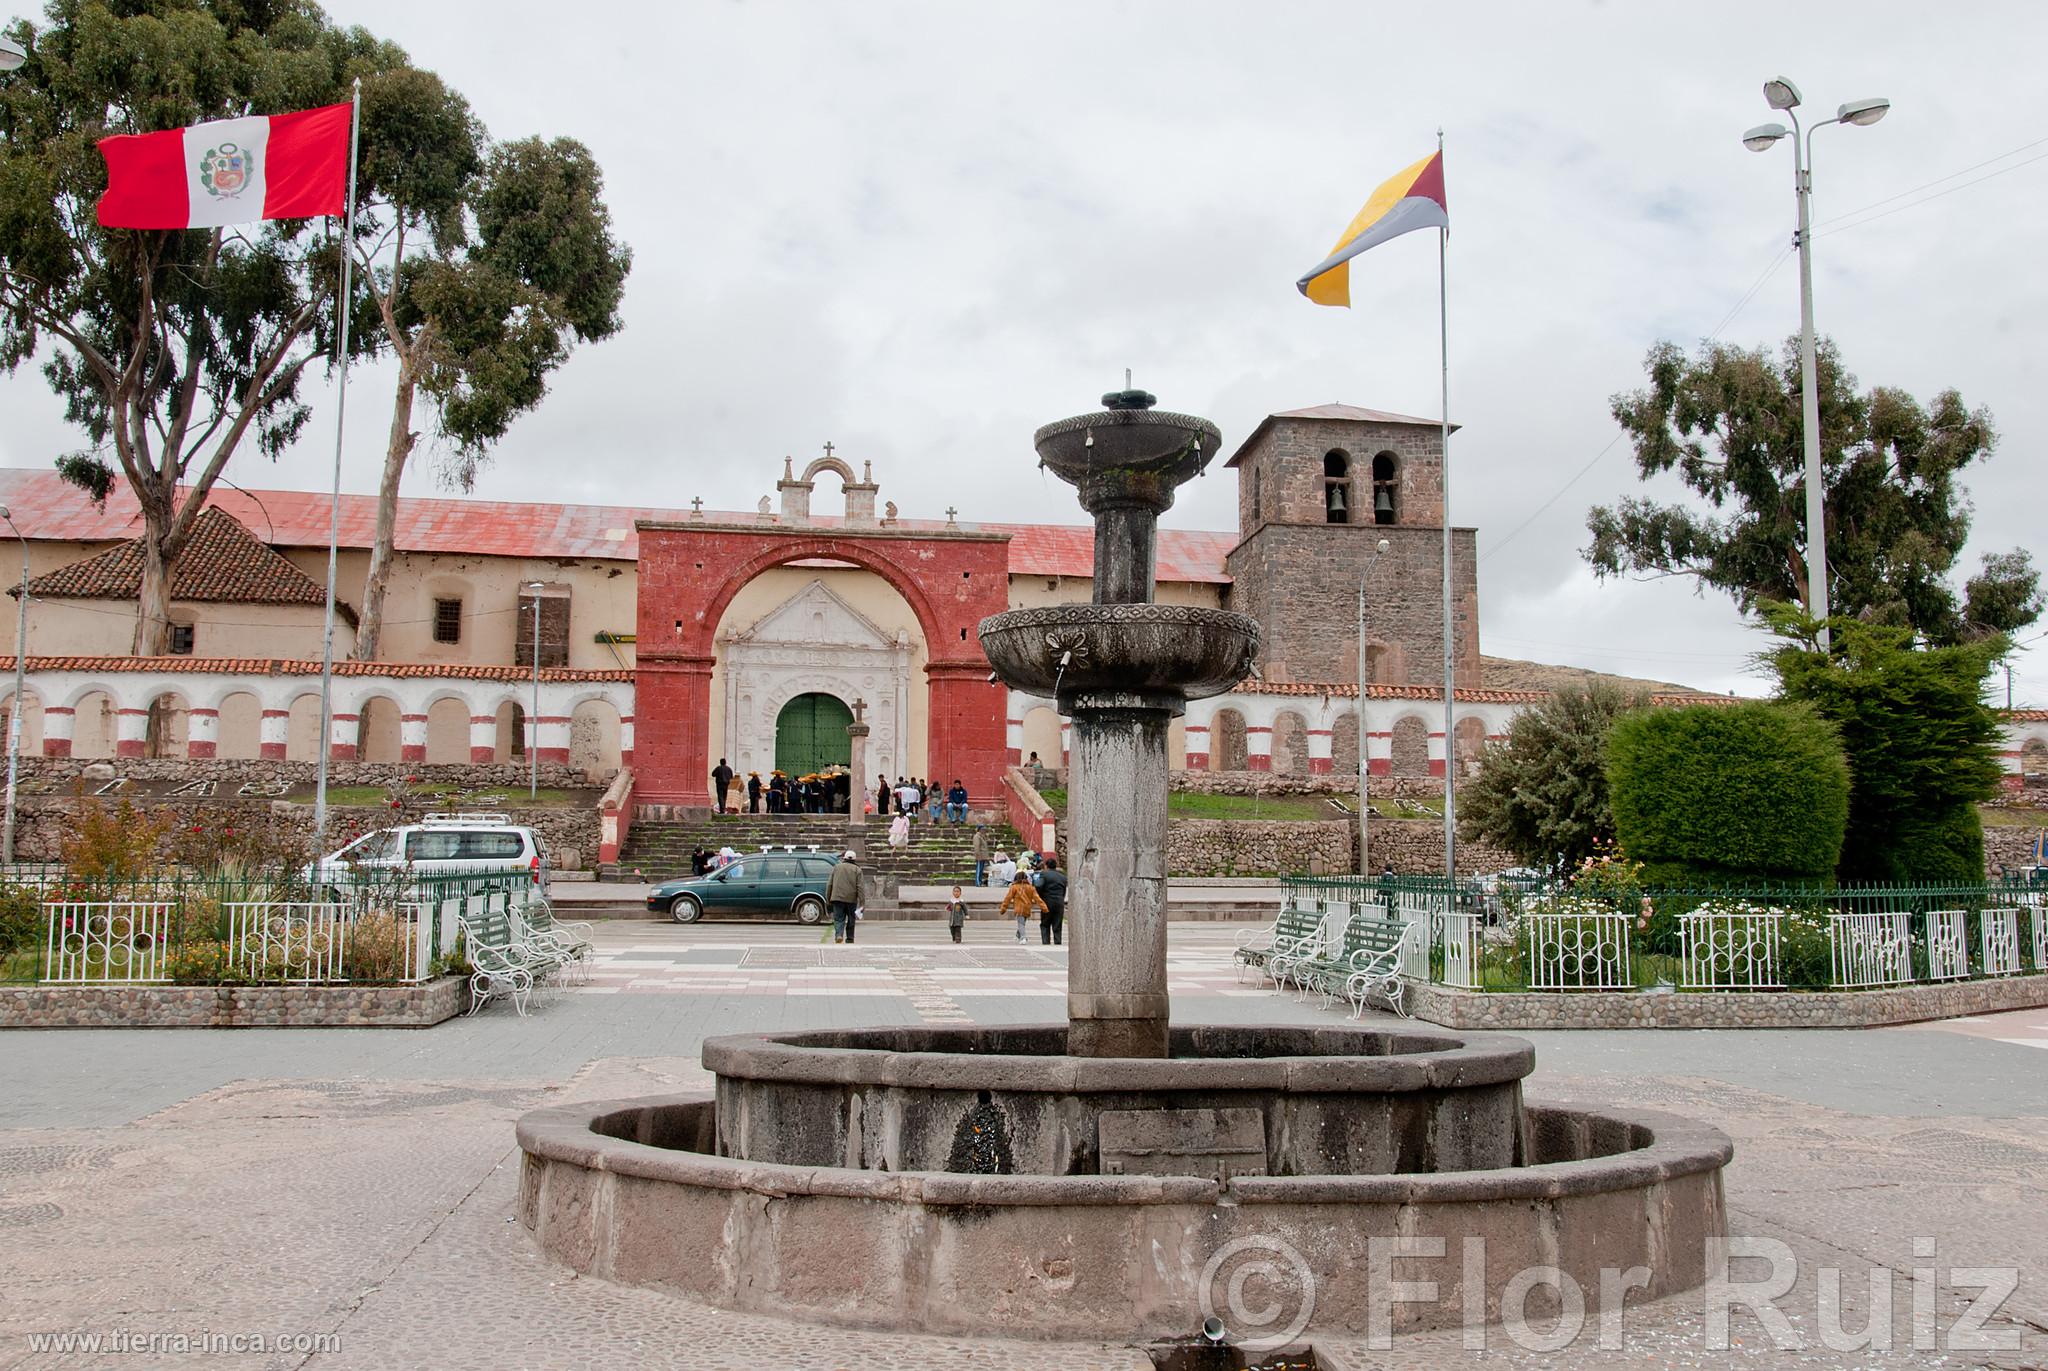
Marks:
<point>920,231</point>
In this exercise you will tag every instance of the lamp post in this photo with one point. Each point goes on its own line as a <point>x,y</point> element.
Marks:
<point>14,710</point>
<point>12,55</point>
<point>1783,95</point>
<point>1379,549</point>
<point>533,589</point>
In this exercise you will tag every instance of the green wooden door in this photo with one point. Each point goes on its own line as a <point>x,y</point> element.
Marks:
<point>810,735</point>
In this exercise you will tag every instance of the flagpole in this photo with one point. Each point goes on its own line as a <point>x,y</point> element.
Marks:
<point>348,252</point>
<point>1443,333</point>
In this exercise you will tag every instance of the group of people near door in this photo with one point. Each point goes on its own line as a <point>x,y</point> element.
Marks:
<point>819,792</point>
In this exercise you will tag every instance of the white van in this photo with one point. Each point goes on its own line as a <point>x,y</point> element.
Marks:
<point>440,845</point>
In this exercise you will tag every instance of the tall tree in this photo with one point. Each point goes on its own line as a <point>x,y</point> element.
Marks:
<point>1728,423</point>
<point>169,349</point>
<point>1541,793</point>
<point>487,263</point>
<point>1922,741</point>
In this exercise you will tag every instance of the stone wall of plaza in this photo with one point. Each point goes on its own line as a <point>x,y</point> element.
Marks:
<point>1231,847</point>
<point>1493,1010</point>
<point>1314,636</point>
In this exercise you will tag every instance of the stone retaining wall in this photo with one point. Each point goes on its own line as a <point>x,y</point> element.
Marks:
<point>43,822</point>
<point>233,1006</point>
<point>1266,783</point>
<point>1455,1008</point>
<point>1228,847</point>
<point>241,770</point>
<point>2008,847</point>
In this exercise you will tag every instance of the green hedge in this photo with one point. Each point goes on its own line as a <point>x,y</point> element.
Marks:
<point>1728,793</point>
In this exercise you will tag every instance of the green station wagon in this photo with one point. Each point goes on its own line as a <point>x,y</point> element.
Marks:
<point>761,885</point>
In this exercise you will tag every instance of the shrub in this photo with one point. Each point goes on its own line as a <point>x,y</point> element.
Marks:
<point>1542,792</point>
<point>21,918</point>
<point>113,845</point>
<point>202,961</point>
<point>1728,793</point>
<point>1922,743</point>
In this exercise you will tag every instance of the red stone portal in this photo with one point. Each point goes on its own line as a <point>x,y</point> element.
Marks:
<point>689,573</point>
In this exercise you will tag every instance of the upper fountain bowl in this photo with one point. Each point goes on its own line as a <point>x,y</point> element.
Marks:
<point>1186,651</point>
<point>1125,439</point>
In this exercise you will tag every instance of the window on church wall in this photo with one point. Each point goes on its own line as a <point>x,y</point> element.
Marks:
<point>1253,499</point>
<point>1336,488</point>
<point>1385,492</point>
<point>554,631</point>
<point>448,620</point>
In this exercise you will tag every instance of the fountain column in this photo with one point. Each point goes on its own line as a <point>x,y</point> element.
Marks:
<point>1121,667</point>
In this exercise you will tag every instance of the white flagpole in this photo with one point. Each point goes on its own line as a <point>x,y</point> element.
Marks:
<point>1443,305</point>
<point>348,252</point>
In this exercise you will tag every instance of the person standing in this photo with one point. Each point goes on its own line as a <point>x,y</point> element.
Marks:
<point>721,780</point>
<point>753,792</point>
<point>980,855</point>
<point>1052,888</point>
<point>1021,901</point>
<point>899,832</point>
<point>956,913</point>
<point>842,893</point>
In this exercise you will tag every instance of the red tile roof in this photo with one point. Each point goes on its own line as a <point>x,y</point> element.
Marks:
<point>1345,690</point>
<point>222,563</point>
<point>1346,414</point>
<point>293,666</point>
<point>45,507</point>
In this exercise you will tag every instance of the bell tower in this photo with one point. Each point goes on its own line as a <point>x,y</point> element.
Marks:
<point>1318,489</point>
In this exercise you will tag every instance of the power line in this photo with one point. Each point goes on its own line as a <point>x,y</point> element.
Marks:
<point>1915,204</point>
<point>1925,185</point>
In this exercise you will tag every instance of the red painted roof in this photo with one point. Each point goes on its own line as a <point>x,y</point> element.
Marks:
<point>221,563</point>
<point>1345,690</point>
<point>46,507</point>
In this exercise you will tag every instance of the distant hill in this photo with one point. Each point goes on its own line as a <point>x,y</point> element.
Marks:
<point>1505,673</point>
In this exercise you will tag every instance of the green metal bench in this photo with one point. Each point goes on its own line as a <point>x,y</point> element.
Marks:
<point>1372,968</point>
<point>1254,949</point>
<point>1296,965</point>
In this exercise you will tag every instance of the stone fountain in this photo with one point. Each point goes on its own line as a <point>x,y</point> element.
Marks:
<point>1122,669</point>
<point>1097,1179</point>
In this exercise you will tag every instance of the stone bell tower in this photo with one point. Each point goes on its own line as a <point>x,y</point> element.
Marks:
<point>1317,489</point>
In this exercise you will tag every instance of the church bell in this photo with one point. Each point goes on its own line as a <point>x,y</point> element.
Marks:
<point>1383,505</point>
<point>1334,504</point>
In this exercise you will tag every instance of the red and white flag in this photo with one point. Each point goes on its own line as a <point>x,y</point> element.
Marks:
<point>229,171</point>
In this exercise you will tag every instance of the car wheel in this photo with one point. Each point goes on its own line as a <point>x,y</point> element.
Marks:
<point>809,909</point>
<point>686,909</point>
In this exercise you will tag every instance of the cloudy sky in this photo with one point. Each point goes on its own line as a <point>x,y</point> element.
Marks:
<point>920,231</point>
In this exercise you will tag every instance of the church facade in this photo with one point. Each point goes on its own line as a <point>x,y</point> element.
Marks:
<point>669,638</point>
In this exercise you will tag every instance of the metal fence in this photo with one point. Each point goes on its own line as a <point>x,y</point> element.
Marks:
<point>252,927</point>
<point>1767,937</point>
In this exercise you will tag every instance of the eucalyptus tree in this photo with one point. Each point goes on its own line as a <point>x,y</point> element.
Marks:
<point>1727,424</point>
<point>487,263</point>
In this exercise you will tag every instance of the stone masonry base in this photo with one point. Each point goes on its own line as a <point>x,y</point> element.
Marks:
<point>1454,1008</point>
<point>233,1006</point>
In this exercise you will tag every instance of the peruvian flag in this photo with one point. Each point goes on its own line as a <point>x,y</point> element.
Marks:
<point>229,171</point>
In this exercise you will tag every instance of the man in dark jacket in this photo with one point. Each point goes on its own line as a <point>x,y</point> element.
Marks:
<point>721,780</point>
<point>842,892</point>
<point>1052,888</point>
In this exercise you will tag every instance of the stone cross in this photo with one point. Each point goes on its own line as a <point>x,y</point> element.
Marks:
<point>828,447</point>
<point>860,711</point>
<point>696,504</point>
<point>950,512</point>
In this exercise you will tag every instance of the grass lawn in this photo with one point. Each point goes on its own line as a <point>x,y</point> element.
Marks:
<point>2000,816</point>
<point>506,798</point>
<point>1276,808</point>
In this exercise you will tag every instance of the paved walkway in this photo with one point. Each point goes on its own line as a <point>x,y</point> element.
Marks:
<point>358,1185</point>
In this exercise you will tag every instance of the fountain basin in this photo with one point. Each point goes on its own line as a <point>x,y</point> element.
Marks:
<point>1164,448</point>
<point>1184,651</point>
<point>629,1191</point>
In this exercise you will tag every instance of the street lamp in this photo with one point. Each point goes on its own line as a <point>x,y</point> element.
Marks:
<point>1379,549</point>
<point>12,55</point>
<point>14,710</point>
<point>533,590</point>
<point>1781,94</point>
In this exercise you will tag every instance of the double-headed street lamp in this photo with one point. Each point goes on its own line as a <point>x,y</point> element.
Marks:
<point>1379,549</point>
<point>12,55</point>
<point>1783,95</point>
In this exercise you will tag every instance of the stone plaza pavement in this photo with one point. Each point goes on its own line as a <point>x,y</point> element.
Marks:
<point>358,1185</point>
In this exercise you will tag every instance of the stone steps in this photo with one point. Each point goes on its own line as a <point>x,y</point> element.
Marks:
<point>938,853</point>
